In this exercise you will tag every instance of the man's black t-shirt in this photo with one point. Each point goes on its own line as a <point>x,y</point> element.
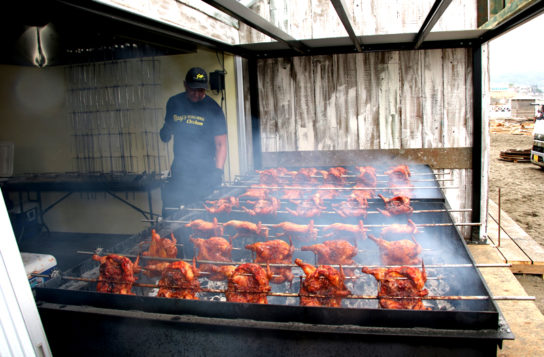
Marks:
<point>194,126</point>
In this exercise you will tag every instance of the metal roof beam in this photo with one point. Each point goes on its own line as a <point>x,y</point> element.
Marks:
<point>528,13</point>
<point>437,10</point>
<point>340,8</point>
<point>250,18</point>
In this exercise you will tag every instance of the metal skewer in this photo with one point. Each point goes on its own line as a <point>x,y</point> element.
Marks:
<point>359,297</point>
<point>283,265</point>
<point>335,188</point>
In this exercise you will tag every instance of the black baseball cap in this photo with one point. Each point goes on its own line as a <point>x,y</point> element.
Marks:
<point>197,78</point>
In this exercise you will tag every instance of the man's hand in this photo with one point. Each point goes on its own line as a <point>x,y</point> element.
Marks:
<point>166,131</point>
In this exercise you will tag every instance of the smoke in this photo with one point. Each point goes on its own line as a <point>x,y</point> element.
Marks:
<point>40,92</point>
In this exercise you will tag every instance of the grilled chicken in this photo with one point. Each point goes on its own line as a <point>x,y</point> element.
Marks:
<point>392,231</point>
<point>327,191</point>
<point>366,176</point>
<point>396,206</point>
<point>275,252</point>
<point>205,229</point>
<point>259,191</point>
<point>249,283</point>
<point>304,176</point>
<point>272,176</point>
<point>222,205</point>
<point>365,183</point>
<point>247,229</point>
<point>263,206</point>
<point>116,274</point>
<point>291,192</point>
<point>352,207</point>
<point>399,252</point>
<point>343,230</point>
<point>334,252</point>
<point>399,173</point>
<point>179,280</point>
<point>335,176</point>
<point>215,249</point>
<point>307,208</point>
<point>361,192</point>
<point>323,286</point>
<point>159,247</point>
<point>302,232</point>
<point>406,283</point>
<point>399,181</point>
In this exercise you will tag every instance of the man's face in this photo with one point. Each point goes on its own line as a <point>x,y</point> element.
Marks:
<point>195,94</point>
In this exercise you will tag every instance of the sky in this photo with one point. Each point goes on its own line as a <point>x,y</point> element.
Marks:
<point>520,49</point>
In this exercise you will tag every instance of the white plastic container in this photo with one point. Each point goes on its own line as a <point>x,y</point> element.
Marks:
<point>34,263</point>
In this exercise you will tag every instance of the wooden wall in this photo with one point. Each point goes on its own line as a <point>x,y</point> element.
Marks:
<point>367,101</point>
<point>378,100</point>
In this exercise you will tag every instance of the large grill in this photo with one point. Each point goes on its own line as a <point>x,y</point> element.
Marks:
<point>462,316</point>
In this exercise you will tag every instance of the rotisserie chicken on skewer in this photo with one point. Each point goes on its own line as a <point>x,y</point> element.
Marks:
<point>307,208</point>
<point>179,280</point>
<point>205,229</point>
<point>352,207</point>
<point>334,176</point>
<point>291,192</point>
<point>396,206</point>
<point>393,231</point>
<point>159,247</point>
<point>257,191</point>
<point>301,232</point>
<point>399,173</point>
<point>327,191</point>
<point>116,274</point>
<point>247,229</point>
<point>276,252</point>
<point>249,283</point>
<point>399,181</point>
<point>399,252</point>
<point>274,176</point>
<point>344,230</point>
<point>403,282</point>
<point>325,283</point>
<point>304,176</point>
<point>334,252</point>
<point>222,205</point>
<point>361,192</point>
<point>263,206</point>
<point>366,176</point>
<point>215,249</point>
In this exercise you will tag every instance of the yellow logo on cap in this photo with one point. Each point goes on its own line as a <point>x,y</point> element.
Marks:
<point>199,76</point>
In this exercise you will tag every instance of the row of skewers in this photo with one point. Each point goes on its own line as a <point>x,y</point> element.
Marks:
<point>308,194</point>
<point>250,282</point>
<point>399,287</point>
<point>355,205</point>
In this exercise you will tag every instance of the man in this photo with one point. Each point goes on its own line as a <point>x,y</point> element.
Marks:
<point>198,125</point>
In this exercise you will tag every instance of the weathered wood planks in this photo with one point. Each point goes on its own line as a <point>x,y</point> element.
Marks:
<point>381,100</point>
<point>516,246</point>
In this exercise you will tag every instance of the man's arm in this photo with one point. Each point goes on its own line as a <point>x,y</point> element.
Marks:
<point>220,151</point>
<point>166,132</point>
<point>167,129</point>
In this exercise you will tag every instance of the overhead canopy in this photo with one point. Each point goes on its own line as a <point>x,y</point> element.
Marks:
<point>77,30</point>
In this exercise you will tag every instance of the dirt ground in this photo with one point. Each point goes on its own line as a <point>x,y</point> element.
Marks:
<point>522,190</point>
